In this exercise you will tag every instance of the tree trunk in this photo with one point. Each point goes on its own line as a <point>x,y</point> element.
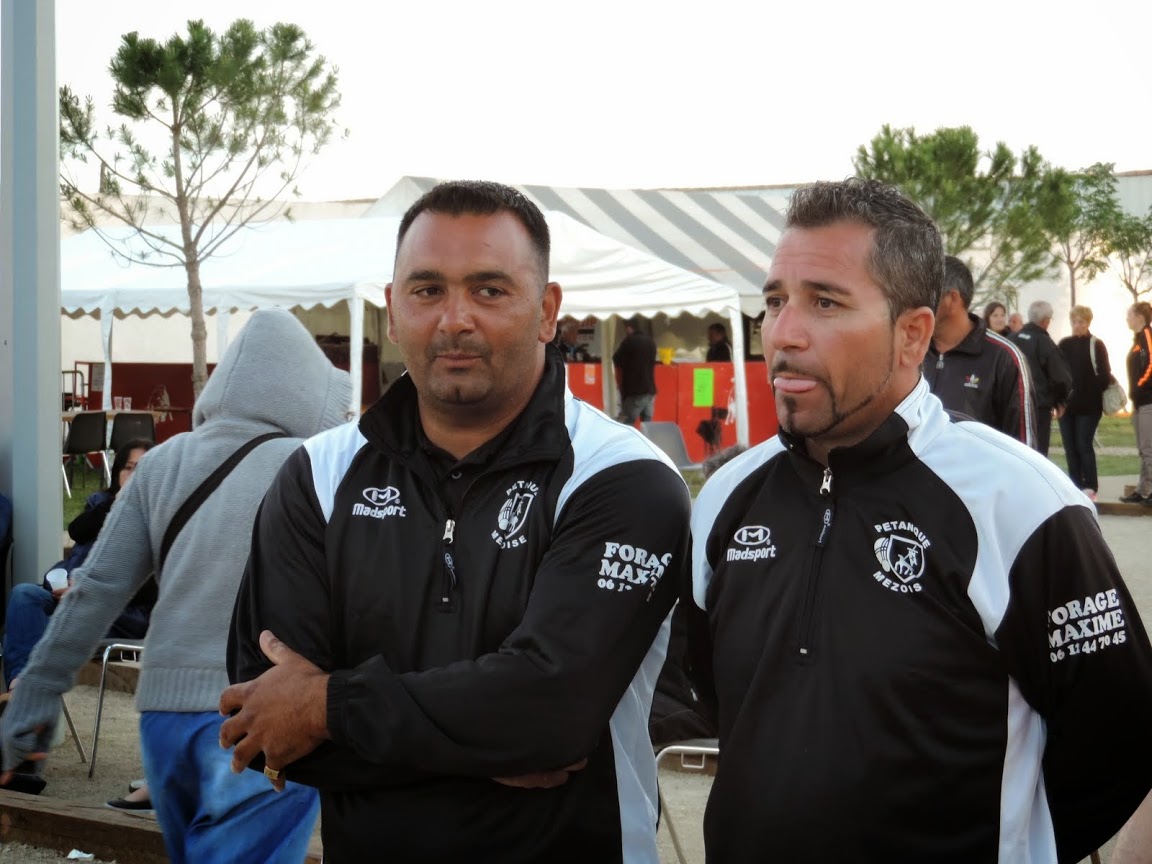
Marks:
<point>199,328</point>
<point>1072,274</point>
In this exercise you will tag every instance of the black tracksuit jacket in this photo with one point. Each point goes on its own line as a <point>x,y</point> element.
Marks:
<point>985,378</point>
<point>924,654</point>
<point>503,615</point>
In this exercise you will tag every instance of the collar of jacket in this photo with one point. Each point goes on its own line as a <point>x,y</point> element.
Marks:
<point>392,425</point>
<point>884,450</point>
<point>973,343</point>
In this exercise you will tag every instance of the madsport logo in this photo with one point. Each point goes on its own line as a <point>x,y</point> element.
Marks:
<point>385,502</point>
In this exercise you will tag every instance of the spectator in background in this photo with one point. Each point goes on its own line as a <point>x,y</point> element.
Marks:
<point>1087,360</point>
<point>719,348</point>
<point>972,370</point>
<point>635,361</point>
<point>273,387</point>
<point>1140,392</point>
<point>996,318</point>
<point>30,606</point>
<point>570,347</point>
<point>1051,379</point>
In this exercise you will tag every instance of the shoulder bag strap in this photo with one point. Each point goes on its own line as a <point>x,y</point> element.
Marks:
<point>200,495</point>
<point>1092,355</point>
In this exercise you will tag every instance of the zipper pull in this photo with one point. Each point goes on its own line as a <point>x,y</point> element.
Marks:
<point>449,563</point>
<point>825,527</point>
<point>826,483</point>
<point>940,362</point>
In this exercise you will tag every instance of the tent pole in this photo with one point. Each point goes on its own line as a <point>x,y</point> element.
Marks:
<point>735,320</point>
<point>106,316</point>
<point>356,351</point>
<point>223,315</point>
<point>607,370</point>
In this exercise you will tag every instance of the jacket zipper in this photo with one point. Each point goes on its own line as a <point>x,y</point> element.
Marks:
<point>448,585</point>
<point>808,614</point>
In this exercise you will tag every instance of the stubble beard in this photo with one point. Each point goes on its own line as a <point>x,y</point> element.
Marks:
<point>836,416</point>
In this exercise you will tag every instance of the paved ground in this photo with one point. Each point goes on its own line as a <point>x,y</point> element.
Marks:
<point>686,794</point>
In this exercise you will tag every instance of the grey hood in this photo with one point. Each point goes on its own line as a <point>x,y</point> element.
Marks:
<point>250,383</point>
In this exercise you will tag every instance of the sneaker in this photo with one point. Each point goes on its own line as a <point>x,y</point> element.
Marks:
<point>132,806</point>
<point>1134,498</point>
<point>137,784</point>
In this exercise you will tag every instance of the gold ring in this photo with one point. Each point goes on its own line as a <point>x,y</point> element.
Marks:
<point>271,773</point>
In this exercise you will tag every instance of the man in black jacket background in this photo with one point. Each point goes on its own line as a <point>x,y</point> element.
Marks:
<point>1051,378</point>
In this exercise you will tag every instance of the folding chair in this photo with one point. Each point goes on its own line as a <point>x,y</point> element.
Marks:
<point>695,747</point>
<point>130,425</point>
<point>121,648</point>
<point>668,437</point>
<point>87,434</point>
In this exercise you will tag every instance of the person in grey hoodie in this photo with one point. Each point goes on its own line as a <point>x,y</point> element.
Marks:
<point>272,379</point>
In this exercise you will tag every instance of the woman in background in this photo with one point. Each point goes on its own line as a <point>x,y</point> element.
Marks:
<point>1140,392</point>
<point>1087,358</point>
<point>996,317</point>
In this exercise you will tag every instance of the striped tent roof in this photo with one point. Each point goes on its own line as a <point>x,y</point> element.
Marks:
<point>727,235</point>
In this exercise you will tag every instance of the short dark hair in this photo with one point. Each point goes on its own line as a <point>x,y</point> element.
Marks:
<point>717,327</point>
<point>958,278</point>
<point>483,198</point>
<point>907,253</point>
<point>1144,310</point>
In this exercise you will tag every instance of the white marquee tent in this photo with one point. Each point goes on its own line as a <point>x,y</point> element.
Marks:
<point>325,262</point>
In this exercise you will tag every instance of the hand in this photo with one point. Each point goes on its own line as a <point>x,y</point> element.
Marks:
<point>14,743</point>
<point>542,779</point>
<point>1059,411</point>
<point>60,592</point>
<point>283,713</point>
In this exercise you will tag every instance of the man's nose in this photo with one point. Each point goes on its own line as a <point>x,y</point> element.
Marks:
<point>456,313</point>
<point>788,329</point>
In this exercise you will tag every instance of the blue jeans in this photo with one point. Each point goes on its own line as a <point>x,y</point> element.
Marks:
<point>1078,430</point>
<point>210,815</point>
<point>29,609</point>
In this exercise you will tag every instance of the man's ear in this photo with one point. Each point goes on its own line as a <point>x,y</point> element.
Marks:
<point>913,336</point>
<point>388,303</point>
<point>550,311</point>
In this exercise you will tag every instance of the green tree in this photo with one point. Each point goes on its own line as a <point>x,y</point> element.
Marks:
<point>1129,240</point>
<point>213,128</point>
<point>987,204</point>
<point>1079,223</point>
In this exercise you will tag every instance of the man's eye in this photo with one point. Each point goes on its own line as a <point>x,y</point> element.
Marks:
<point>490,291</point>
<point>826,303</point>
<point>774,304</point>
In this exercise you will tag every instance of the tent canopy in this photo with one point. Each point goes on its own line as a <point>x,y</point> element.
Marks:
<point>328,261</point>
<point>725,235</point>
<point>325,262</point>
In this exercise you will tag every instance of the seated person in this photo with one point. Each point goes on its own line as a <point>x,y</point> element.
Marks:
<point>30,605</point>
<point>573,350</point>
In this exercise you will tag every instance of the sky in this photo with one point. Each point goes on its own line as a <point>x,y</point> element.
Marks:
<point>636,94</point>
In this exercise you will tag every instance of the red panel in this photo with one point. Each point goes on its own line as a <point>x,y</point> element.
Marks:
<point>667,393</point>
<point>146,383</point>
<point>761,407</point>
<point>674,399</point>
<point>584,380</point>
